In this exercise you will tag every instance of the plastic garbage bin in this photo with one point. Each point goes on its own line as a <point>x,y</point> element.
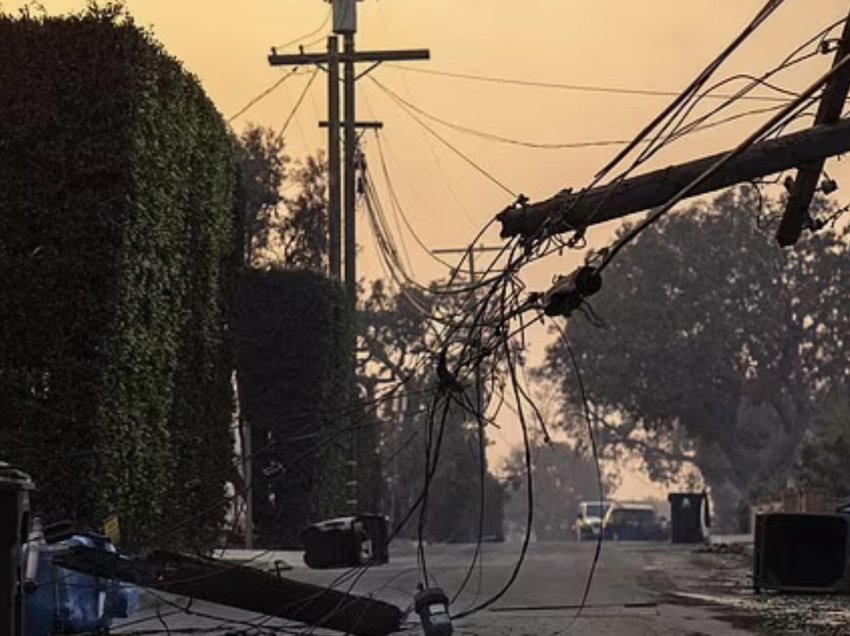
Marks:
<point>62,601</point>
<point>346,542</point>
<point>688,517</point>
<point>15,487</point>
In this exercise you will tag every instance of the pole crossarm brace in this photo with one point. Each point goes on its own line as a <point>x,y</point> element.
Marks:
<point>304,59</point>
<point>570,211</point>
<point>370,125</point>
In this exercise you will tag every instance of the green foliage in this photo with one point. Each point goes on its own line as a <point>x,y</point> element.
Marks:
<point>295,385</point>
<point>118,252</point>
<point>825,454</point>
<point>717,348</point>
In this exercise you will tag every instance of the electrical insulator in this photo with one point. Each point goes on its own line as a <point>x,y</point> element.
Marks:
<point>828,186</point>
<point>569,292</point>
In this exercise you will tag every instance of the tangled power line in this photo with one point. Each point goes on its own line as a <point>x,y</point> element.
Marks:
<point>480,325</point>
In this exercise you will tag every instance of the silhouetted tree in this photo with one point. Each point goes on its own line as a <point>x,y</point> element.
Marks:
<point>262,167</point>
<point>718,346</point>
<point>303,231</point>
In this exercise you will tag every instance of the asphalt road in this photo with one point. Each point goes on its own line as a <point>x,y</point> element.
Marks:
<point>638,589</point>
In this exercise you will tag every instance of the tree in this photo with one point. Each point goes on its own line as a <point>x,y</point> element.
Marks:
<point>826,449</point>
<point>563,477</point>
<point>303,232</point>
<point>279,231</point>
<point>717,349</point>
<point>262,166</point>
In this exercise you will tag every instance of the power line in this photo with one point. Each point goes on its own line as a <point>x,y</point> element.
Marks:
<point>489,176</point>
<point>777,120</point>
<point>692,90</point>
<point>297,104</point>
<point>492,136</point>
<point>395,200</point>
<point>565,145</point>
<point>310,34</point>
<point>586,88</point>
<point>261,96</point>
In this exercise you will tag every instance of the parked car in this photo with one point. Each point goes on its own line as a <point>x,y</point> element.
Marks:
<point>634,522</point>
<point>589,519</point>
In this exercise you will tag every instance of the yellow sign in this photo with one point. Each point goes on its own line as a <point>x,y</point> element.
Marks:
<point>112,529</point>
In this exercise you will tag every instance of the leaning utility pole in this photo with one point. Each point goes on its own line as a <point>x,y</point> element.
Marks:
<point>796,215</point>
<point>569,211</point>
<point>342,226</point>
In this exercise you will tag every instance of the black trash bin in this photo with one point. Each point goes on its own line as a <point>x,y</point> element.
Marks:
<point>347,542</point>
<point>14,529</point>
<point>688,516</point>
<point>802,552</point>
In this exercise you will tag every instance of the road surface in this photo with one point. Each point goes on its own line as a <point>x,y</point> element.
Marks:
<point>638,589</point>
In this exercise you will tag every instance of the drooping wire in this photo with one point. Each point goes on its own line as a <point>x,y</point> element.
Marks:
<point>255,100</point>
<point>309,35</point>
<point>476,166</point>
<point>587,88</point>
<point>693,88</point>
<point>777,120</point>
<point>297,105</point>
<point>597,553</point>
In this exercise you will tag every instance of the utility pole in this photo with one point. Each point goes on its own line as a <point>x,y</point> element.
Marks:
<point>334,175</point>
<point>796,215</point>
<point>570,211</point>
<point>342,183</point>
<point>345,24</point>
<point>349,27</point>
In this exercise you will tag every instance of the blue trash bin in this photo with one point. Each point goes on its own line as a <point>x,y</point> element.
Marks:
<point>63,601</point>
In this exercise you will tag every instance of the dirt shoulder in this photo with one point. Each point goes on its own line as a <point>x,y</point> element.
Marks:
<point>721,576</point>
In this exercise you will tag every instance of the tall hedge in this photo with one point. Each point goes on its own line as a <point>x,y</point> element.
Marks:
<point>118,257</point>
<point>295,388</point>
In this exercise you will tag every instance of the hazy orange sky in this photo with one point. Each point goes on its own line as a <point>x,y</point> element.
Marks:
<point>655,44</point>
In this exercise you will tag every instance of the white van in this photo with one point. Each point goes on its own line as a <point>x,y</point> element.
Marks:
<point>589,519</point>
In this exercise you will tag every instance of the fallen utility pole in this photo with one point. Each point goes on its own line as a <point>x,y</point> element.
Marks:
<point>796,215</point>
<point>569,211</point>
<point>242,587</point>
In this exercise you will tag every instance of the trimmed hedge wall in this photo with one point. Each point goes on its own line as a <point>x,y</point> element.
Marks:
<point>118,259</point>
<point>296,378</point>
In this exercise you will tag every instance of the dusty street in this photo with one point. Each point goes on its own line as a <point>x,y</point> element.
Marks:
<point>638,589</point>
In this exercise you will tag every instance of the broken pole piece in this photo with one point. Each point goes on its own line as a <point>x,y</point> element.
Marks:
<point>241,587</point>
